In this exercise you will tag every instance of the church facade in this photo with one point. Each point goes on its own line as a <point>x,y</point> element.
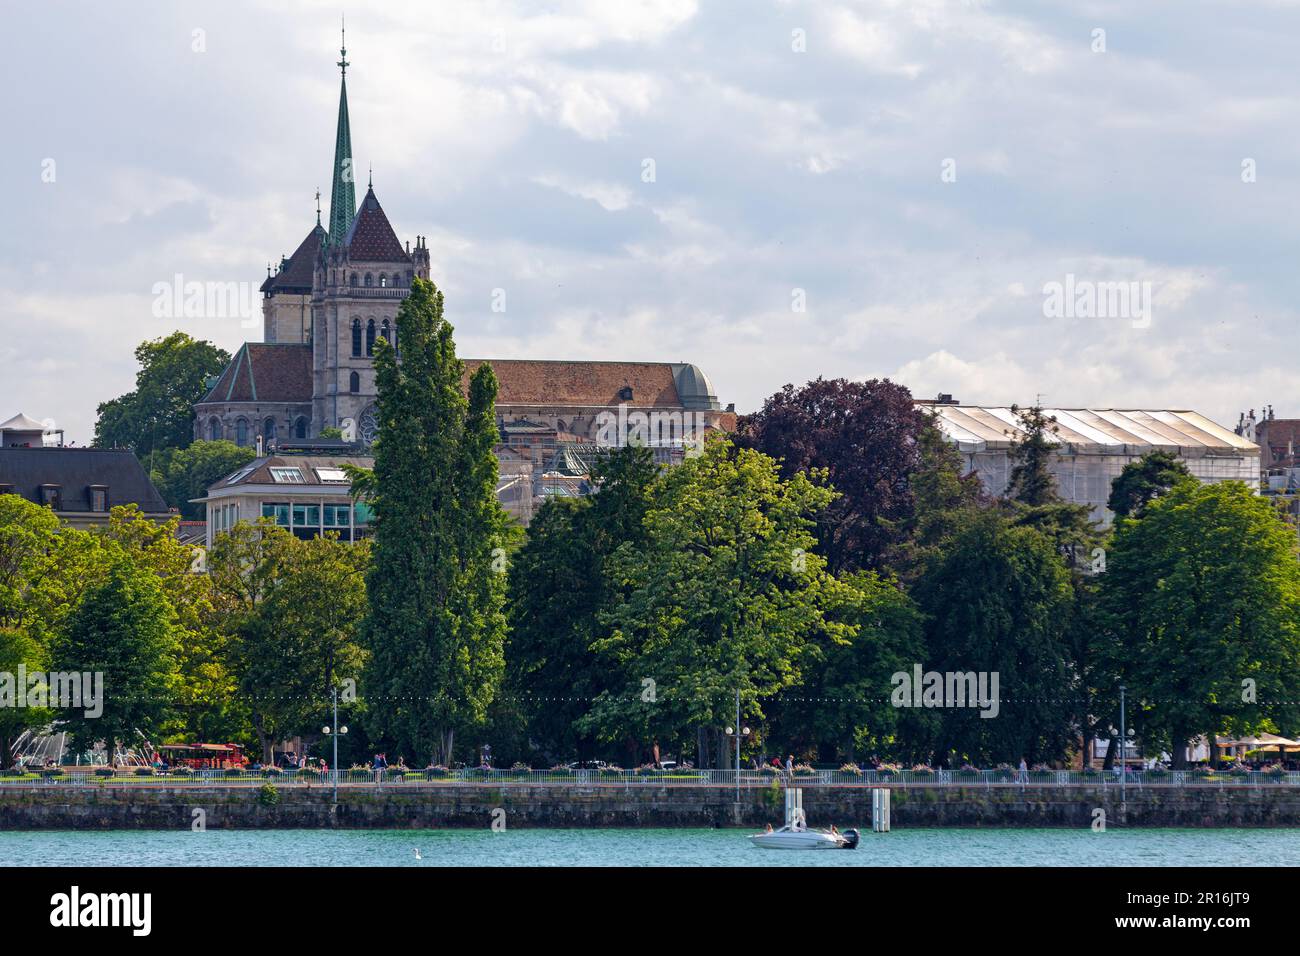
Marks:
<point>327,304</point>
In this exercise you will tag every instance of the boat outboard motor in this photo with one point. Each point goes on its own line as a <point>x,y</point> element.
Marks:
<point>850,840</point>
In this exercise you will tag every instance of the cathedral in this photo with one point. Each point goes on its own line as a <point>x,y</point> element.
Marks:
<point>325,306</point>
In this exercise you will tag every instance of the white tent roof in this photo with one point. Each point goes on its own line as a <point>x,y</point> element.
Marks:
<point>1093,430</point>
<point>21,423</point>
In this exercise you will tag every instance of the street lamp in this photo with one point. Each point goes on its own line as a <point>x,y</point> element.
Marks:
<point>1123,752</point>
<point>738,735</point>
<point>334,731</point>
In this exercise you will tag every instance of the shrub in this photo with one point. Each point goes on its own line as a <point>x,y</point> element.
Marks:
<point>268,795</point>
<point>851,768</point>
<point>182,771</point>
<point>520,767</point>
<point>233,772</point>
<point>272,772</point>
<point>52,772</point>
<point>143,771</point>
<point>105,772</point>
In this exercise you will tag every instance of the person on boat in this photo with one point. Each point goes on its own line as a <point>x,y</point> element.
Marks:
<point>834,832</point>
<point>768,828</point>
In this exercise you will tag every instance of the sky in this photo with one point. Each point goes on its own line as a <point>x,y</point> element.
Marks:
<point>772,190</point>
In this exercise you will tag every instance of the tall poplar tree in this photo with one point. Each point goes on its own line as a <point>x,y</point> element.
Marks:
<point>436,588</point>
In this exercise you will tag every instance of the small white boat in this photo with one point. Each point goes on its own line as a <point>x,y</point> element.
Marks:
<point>798,838</point>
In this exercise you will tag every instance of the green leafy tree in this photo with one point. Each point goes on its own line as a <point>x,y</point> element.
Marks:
<point>298,640</point>
<point>1203,594</point>
<point>159,412</point>
<point>841,707</point>
<point>123,629</point>
<point>183,474</point>
<point>1144,479</point>
<point>942,494</point>
<point>998,599</point>
<point>724,595</point>
<point>44,567</point>
<point>437,626</point>
<point>1031,479</point>
<point>559,586</point>
<point>19,650</point>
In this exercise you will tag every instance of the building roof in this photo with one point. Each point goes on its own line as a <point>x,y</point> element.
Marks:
<point>1279,442</point>
<point>263,471</point>
<point>265,372</point>
<point>76,470</point>
<point>371,238</point>
<point>296,272</point>
<point>21,423</point>
<point>1093,430</point>
<point>548,383</point>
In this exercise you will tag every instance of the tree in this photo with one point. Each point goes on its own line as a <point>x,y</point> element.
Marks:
<point>436,627</point>
<point>841,707</point>
<point>1149,477</point>
<point>1203,594</point>
<point>184,474</point>
<point>998,600</point>
<point>559,587</point>
<point>19,650</point>
<point>207,706</point>
<point>295,609</point>
<point>1031,481</point>
<point>864,434</point>
<point>44,567</point>
<point>159,413</point>
<point>123,630</point>
<point>943,496</point>
<point>724,595</point>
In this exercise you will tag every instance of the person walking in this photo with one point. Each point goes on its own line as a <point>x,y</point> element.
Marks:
<point>1022,774</point>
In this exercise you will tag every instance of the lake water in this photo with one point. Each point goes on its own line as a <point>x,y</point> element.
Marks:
<point>920,847</point>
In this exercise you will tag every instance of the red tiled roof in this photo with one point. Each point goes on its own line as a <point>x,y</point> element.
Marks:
<point>297,272</point>
<point>551,383</point>
<point>265,372</point>
<point>371,238</point>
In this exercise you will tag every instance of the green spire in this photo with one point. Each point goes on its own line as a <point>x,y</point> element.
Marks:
<point>343,197</point>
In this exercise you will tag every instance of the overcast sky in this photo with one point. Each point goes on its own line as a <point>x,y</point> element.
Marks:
<point>916,172</point>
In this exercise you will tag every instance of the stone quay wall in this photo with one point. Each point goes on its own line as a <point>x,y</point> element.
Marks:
<point>434,806</point>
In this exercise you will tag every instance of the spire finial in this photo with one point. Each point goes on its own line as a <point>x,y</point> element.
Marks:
<point>371,183</point>
<point>343,48</point>
<point>318,205</point>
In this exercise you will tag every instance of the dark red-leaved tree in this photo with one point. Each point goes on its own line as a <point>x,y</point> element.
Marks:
<point>865,435</point>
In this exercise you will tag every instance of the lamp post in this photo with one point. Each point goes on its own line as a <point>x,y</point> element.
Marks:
<point>1123,752</point>
<point>333,730</point>
<point>737,733</point>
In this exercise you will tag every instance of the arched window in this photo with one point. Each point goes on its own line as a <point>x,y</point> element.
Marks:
<point>356,338</point>
<point>370,337</point>
<point>268,430</point>
<point>385,332</point>
<point>352,280</point>
<point>214,429</point>
<point>354,383</point>
<point>300,427</point>
<point>241,432</point>
<point>383,280</point>
<point>370,280</point>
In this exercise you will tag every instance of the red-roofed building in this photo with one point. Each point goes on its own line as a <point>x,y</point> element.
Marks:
<point>325,307</point>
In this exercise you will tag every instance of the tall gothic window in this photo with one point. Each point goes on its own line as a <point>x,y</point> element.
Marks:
<point>383,280</point>
<point>386,333</point>
<point>300,428</point>
<point>356,337</point>
<point>352,280</point>
<point>370,337</point>
<point>370,280</point>
<point>214,429</point>
<point>268,430</point>
<point>241,432</point>
<point>354,383</point>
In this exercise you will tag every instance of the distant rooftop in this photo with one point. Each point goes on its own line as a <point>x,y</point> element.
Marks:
<point>1092,430</point>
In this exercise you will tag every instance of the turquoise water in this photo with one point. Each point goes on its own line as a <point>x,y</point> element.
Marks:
<point>921,847</point>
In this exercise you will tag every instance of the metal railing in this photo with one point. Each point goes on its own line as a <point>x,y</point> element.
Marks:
<point>127,777</point>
